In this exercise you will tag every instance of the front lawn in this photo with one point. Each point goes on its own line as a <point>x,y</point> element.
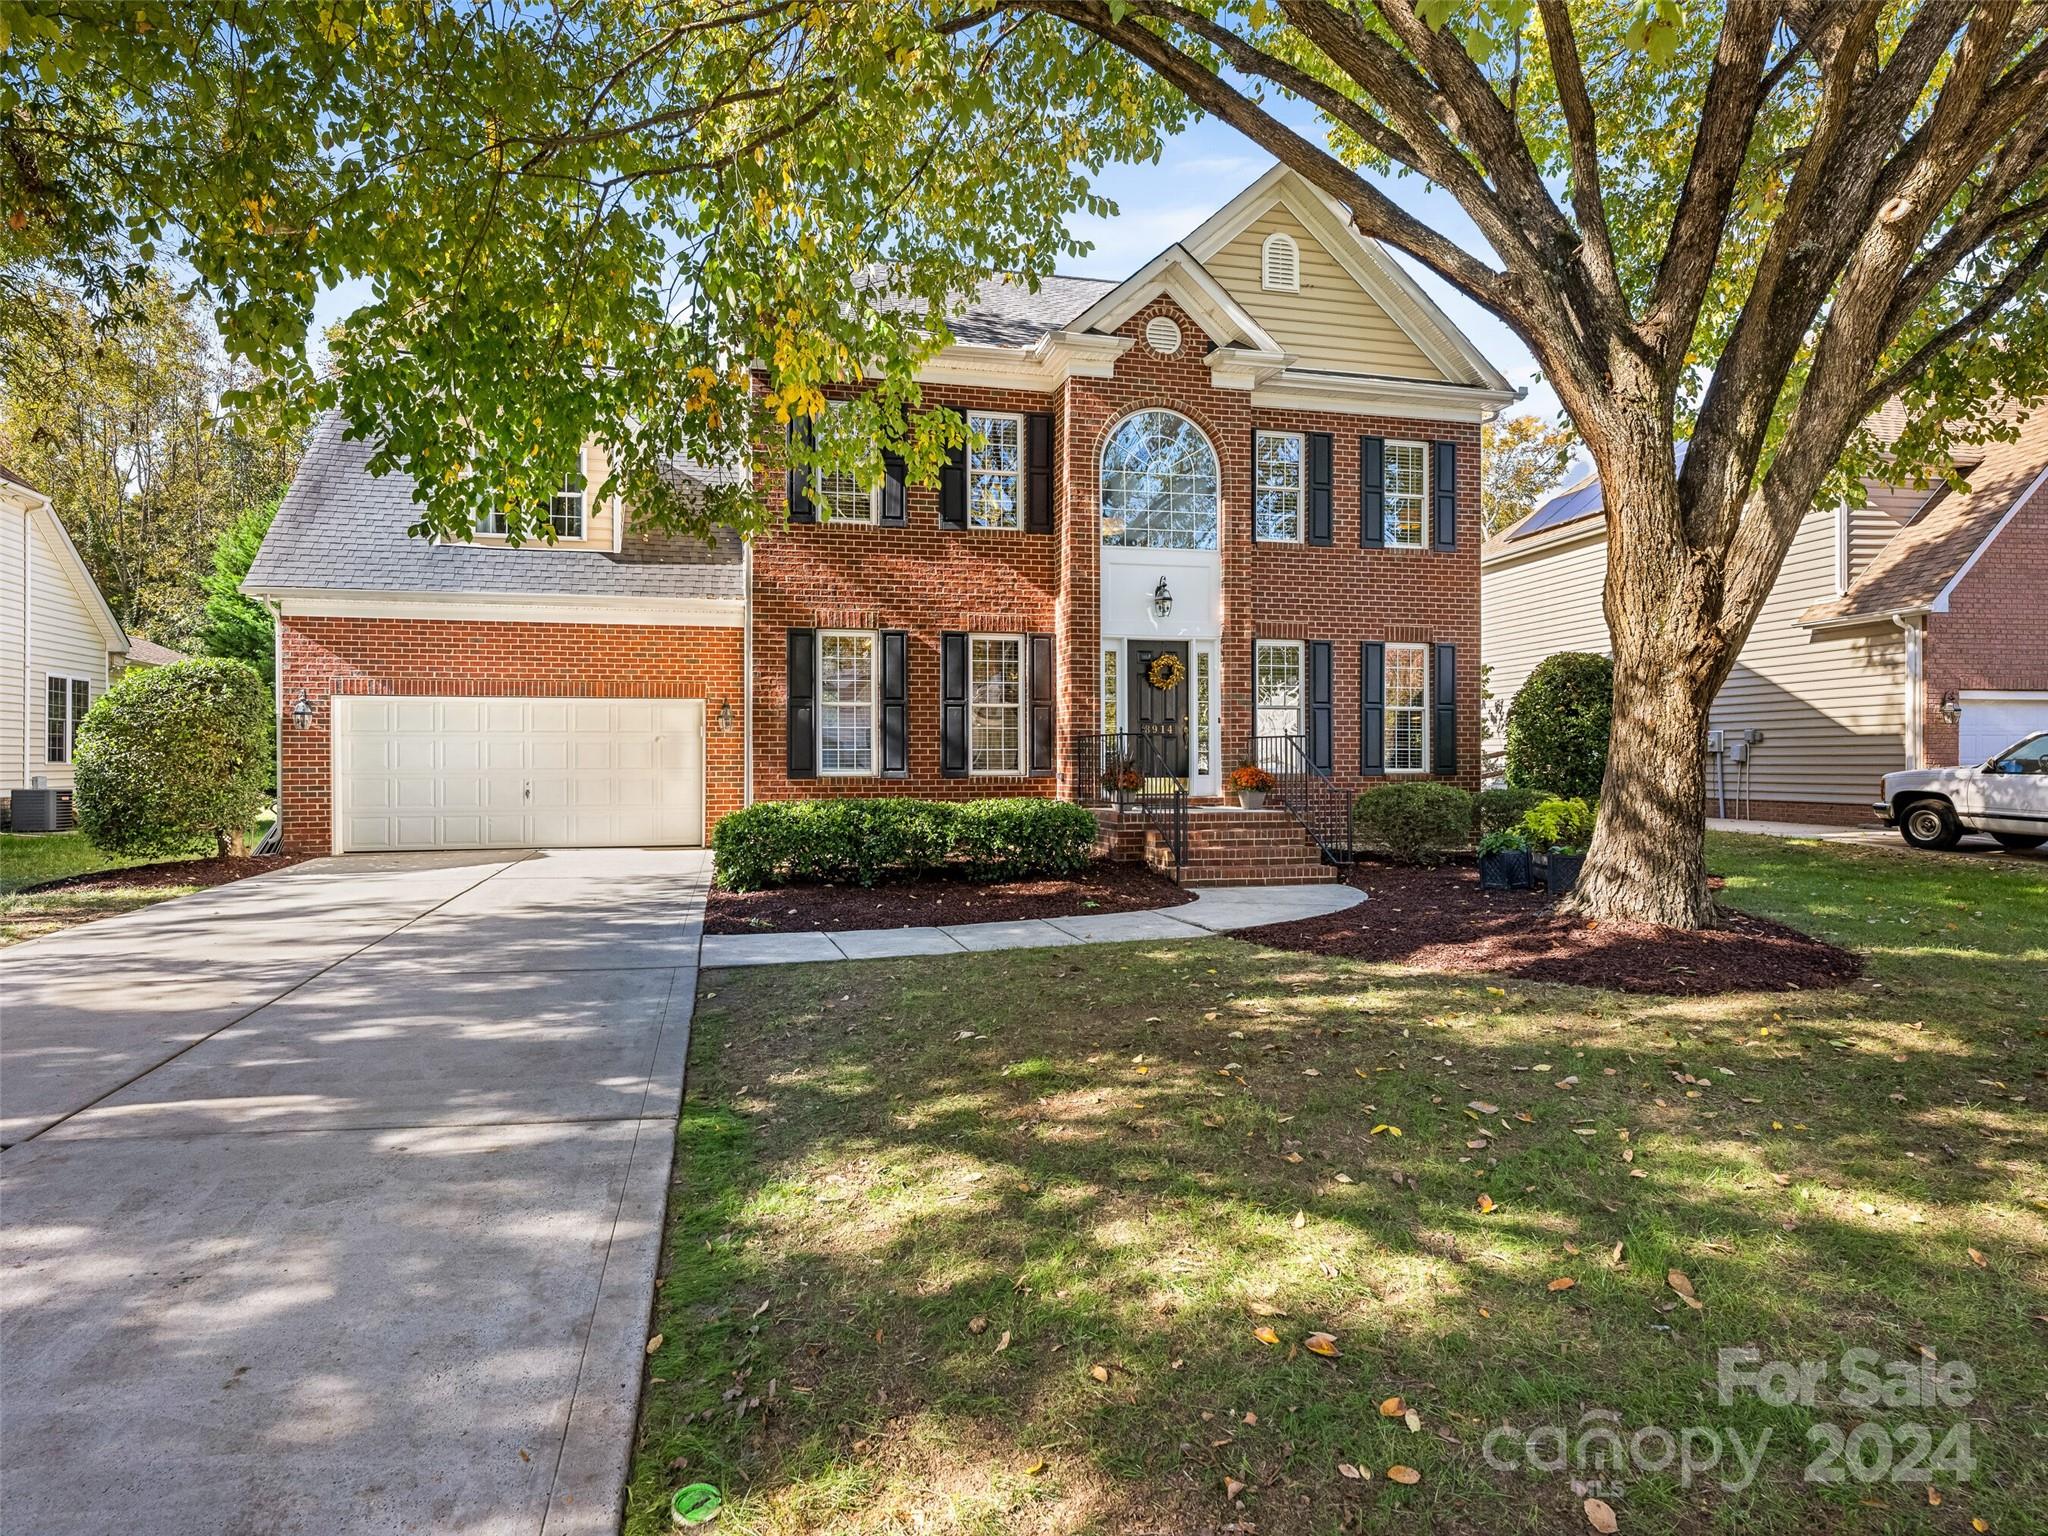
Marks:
<point>1038,1241</point>
<point>31,859</point>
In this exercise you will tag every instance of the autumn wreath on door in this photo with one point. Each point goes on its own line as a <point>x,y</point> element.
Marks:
<point>1166,672</point>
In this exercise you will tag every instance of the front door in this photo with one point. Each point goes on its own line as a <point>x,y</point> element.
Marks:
<point>1159,716</point>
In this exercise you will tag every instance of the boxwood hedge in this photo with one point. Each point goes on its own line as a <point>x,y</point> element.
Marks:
<point>868,841</point>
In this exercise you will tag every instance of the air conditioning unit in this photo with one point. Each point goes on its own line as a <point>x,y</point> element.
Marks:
<point>39,810</point>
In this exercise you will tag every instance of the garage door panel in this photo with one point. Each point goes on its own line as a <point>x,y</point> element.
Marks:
<point>508,773</point>
<point>1990,725</point>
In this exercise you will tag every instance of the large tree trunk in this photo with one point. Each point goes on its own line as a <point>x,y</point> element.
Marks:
<point>1647,862</point>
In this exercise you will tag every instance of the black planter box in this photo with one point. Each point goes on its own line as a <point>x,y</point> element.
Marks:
<point>1561,872</point>
<point>1504,871</point>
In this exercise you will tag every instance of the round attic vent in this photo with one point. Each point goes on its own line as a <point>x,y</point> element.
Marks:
<point>1162,335</point>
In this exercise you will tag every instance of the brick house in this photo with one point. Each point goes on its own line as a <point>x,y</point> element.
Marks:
<point>1894,636</point>
<point>1256,457</point>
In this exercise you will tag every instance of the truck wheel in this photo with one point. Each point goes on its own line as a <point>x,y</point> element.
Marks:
<point>1930,824</point>
<point>2018,842</point>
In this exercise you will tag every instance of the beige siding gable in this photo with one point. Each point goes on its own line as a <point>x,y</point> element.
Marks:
<point>1331,323</point>
<point>65,639</point>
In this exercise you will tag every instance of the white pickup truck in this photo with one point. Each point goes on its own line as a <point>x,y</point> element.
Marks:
<point>2006,798</point>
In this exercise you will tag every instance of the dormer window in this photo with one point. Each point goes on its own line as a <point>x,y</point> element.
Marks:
<point>1280,264</point>
<point>565,507</point>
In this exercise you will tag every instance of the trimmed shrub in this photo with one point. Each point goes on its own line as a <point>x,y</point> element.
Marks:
<point>865,842</point>
<point>1414,823</point>
<point>1559,724</point>
<point>1566,825</point>
<point>172,757</point>
<point>1500,809</point>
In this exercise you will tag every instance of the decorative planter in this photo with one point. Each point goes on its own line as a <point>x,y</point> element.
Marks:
<point>1251,799</point>
<point>1561,871</point>
<point>1504,871</point>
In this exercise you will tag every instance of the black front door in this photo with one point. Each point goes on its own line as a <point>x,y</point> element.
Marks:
<point>1159,716</point>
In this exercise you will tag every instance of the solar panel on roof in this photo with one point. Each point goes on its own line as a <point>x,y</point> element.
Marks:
<point>1568,506</point>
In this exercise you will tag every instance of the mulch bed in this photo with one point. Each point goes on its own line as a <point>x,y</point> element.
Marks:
<point>938,901</point>
<point>1440,920</point>
<point>175,872</point>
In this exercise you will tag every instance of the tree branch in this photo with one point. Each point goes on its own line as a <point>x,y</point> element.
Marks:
<point>2001,293</point>
<point>1583,135</point>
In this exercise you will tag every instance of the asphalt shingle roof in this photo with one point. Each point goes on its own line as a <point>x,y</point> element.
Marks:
<point>1005,312</point>
<point>342,528</point>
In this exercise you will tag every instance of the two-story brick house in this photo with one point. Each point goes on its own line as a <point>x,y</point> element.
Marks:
<point>1256,457</point>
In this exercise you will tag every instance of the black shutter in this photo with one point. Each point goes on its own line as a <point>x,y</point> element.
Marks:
<point>1372,493</point>
<point>1254,502</point>
<point>1320,454</point>
<point>1372,707</point>
<point>1444,530</point>
<point>953,489</point>
<point>1041,685</point>
<point>895,703</point>
<point>1038,473</point>
<point>953,704</point>
<point>803,704</point>
<point>895,496</point>
<point>1319,711</point>
<point>1443,752</point>
<point>798,485</point>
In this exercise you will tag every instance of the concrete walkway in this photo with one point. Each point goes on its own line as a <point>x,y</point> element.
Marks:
<point>1211,912</point>
<point>333,1198</point>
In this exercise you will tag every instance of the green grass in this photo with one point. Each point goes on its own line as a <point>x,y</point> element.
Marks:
<point>1121,1157</point>
<point>29,859</point>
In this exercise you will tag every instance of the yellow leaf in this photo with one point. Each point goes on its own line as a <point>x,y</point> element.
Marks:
<point>1263,1309</point>
<point>1393,1408</point>
<point>1100,1373</point>
<point>1933,1496</point>
<point>1562,1283</point>
<point>1034,1469</point>
<point>1600,1516</point>
<point>654,1343</point>
<point>1979,1523</point>
<point>1320,1344</point>
<point>1485,1203</point>
<point>1400,1474</point>
<point>1390,1130</point>
<point>1978,1259</point>
<point>1265,1335</point>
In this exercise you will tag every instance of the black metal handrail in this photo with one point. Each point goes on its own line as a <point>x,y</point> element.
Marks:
<point>1307,793</point>
<point>1142,773</point>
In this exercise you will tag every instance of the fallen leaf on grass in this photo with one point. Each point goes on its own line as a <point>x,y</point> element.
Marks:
<point>1483,1107</point>
<point>1678,1281</point>
<point>654,1343</point>
<point>1977,1258</point>
<point>1265,1335</point>
<point>977,1325</point>
<point>1034,1469</point>
<point>1345,1469</point>
<point>1390,1130</point>
<point>1099,1373</point>
<point>1232,1488</point>
<point>1265,1309</point>
<point>1485,1204</point>
<point>1600,1516</point>
<point>1400,1474</point>
<point>1562,1283</point>
<point>1004,1342</point>
<point>1393,1408</point>
<point>1320,1344</point>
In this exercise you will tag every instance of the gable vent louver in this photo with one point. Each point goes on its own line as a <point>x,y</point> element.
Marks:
<point>1280,264</point>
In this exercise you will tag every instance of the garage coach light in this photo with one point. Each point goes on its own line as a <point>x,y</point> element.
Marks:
<point>1951,707</point>
<point>1162,599</point>
<point>302,712</point>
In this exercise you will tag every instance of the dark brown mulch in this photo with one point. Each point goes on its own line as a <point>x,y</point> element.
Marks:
<point>176,872</point>
<point>936,900</point>
<point>1440,920</point>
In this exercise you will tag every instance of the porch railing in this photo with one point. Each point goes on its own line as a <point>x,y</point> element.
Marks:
<point>1141,773</point>
<point>1307,793</point>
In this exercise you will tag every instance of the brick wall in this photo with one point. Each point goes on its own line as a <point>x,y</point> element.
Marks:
<point>1992,636</point>
<point>327,656</point>
<point>927,580</point>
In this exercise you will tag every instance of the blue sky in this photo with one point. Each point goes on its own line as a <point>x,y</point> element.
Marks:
<point>1201,170</point>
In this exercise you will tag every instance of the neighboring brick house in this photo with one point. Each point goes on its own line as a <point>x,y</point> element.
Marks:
<point>1901,634</point>
<point>1257,456</point>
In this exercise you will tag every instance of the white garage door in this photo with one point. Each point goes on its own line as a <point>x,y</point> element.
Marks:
<point>517,773</point>
<point>1991,722</point>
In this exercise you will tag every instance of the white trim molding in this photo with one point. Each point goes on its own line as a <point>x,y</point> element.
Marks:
<point>507,607</point>
<point>1177,274</point>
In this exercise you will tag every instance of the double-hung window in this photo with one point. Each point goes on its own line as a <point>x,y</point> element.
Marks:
<point>995,693</point>
<point>1407,484</point>
<point>66,701</point>
<point>1276,491</point>
<point>846,702</point>
<point>565,506</point>
<point>995,470</point>
<point>1277,688</point>
<point>1407,725</point>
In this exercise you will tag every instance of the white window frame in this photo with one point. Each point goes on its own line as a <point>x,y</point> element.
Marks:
<point>1387,732</point>
<point>1300,651</point>
<point>1387,521</point>
<point>493,525</point>
<point>1015,522</point>
<point>1299,488</point>
<point>874,643</point>
<point>975,706</point>
<point>1280,238</point>
<point>72,714</point>
<point>1112,677</point>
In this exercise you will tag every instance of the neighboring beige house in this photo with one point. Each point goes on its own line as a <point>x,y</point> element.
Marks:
<point>59,638</point>
<point>1904,633</point>
<point>147,653</point>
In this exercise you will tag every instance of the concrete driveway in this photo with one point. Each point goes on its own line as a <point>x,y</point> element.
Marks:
<point>333,1198</point>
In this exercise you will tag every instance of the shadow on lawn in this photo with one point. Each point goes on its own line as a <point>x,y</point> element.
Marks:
<point>1086,1173</point>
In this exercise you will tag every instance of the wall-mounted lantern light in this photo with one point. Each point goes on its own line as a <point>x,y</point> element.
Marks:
<point>302,712</point>
<point>1162,599</point>
<point>1951,707</point>
<point>725,714</point>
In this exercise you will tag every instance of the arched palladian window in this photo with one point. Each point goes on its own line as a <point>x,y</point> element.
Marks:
<point>1159,484</point>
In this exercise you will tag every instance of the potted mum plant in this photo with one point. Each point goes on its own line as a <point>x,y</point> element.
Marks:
<point>1250,783</point>
<point>1504,860</point>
